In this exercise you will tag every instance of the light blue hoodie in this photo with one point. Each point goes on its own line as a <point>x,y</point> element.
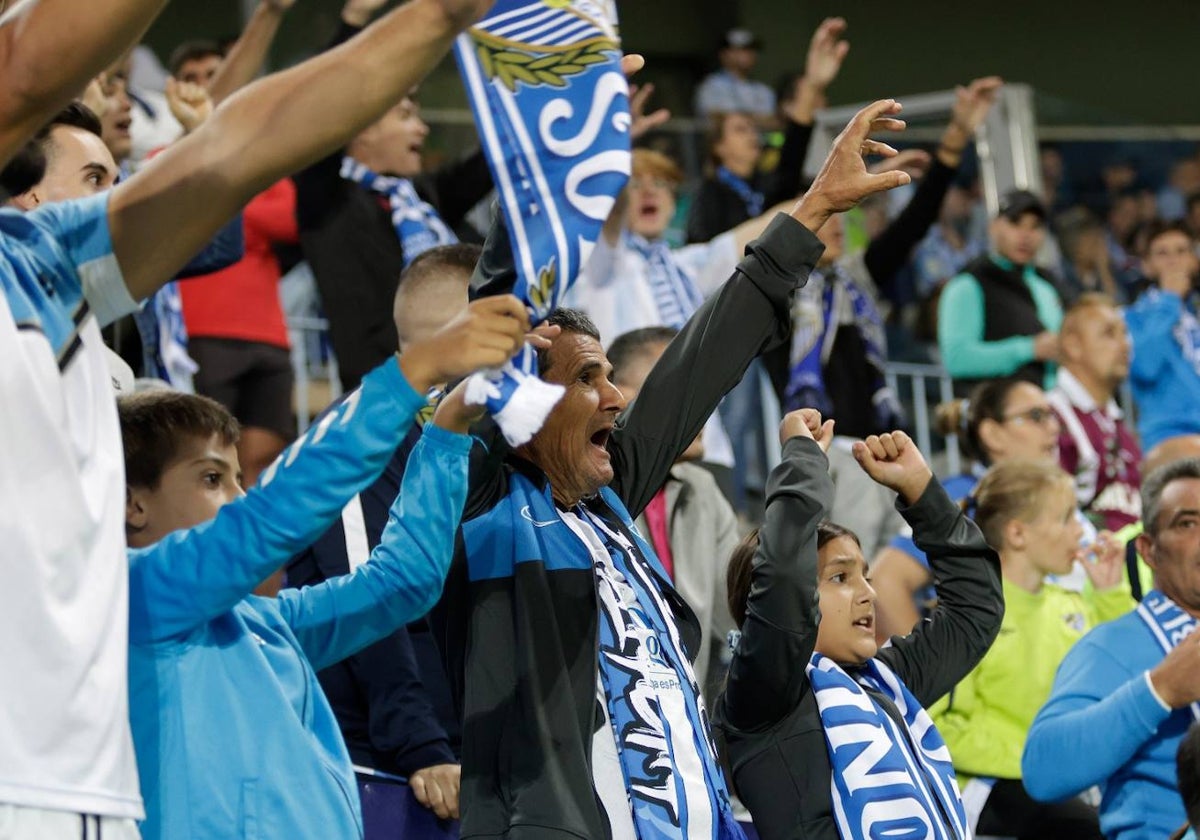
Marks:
<point>1103,725</point>
<point>1165,370</point>
<point>234,737</point>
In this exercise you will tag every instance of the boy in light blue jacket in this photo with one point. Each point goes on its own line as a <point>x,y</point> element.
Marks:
<point>234,738</point>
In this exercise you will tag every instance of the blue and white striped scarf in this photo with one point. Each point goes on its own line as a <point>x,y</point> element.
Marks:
<point>752,198</point>
<point>675,293</point>
<point>1169,625</point>
<point>418,226</point>
<point>887,781</point>
<point>552,110</point>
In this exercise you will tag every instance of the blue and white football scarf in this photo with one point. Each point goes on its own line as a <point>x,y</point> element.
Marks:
<point>1169,625</point>
<point>552,110</point>
<point>165,340</point>
<point>675,293</point>
<point>676,788</point>
<point>814,329</point>
<point>418,226</point>
<point>751,197</point>
<point>887,781</point>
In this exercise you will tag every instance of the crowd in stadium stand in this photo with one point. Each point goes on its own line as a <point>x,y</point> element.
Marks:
<point>720,593</point>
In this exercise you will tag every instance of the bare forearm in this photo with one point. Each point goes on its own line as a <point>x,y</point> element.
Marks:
<point>246,57</point>
<point>45,64</point>
<point>269,129</point>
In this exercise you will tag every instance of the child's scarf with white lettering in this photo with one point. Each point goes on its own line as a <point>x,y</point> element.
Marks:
<point>887,780</point>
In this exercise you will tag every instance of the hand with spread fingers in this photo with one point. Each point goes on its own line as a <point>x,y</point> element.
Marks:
<point>894,461</point>
<point>639,95</point>
<point>806,422</point>
<point>971,106</point>
<point>844,180</point>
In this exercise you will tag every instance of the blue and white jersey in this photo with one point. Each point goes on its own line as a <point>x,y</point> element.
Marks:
<point>64,717</point>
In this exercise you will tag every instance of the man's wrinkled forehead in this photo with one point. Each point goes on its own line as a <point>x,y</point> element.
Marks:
<point>572,353</point>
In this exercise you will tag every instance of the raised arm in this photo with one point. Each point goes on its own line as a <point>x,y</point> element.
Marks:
<point>891,249</point>
<point>191,576</point>
<point>943,649</point>
<point>269,129</point>
<point>767,677</point>
<point>248,54</point>
<point>748,314</point>
<point>45,63</point>
<point>403,579</point>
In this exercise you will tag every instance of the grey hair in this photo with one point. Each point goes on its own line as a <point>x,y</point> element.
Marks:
<point>1154,484</point>
<point>571,321</point>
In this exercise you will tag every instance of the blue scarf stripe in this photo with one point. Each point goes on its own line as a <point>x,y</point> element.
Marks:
<point>752,198</point>
<point>675,293</point>
<point>1168,623</point>
<point>418,226</point>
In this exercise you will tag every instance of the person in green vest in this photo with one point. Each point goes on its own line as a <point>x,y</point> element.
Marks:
<point>1026,510</point>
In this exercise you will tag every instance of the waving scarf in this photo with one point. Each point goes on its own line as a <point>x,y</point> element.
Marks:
<point>418,226</point>
<point>888,780</point>
<point>1168,623</point>
<point>552,110</point>
<point>815,325</point>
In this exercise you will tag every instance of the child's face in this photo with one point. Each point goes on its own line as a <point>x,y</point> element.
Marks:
<point>847,631</point>
<point>203,477</point>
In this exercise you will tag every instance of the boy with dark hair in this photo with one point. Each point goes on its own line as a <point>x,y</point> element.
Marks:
<point>228,679</point>
<point>1165,368</point>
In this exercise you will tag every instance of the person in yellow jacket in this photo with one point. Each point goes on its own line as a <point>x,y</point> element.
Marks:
<point>1026,510</point>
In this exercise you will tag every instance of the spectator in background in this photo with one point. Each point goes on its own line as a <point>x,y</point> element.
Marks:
<point>1087,262</point>
<point>1057,194</point>
<point>1003,419</point>
<point>236,331</point>
<point>1182,183</point>
<point>1026,511</point>
<point>1123,217</point>
<point>838,347</point>
<point>1123,696</point>
<point>690,525</point>
<point>1192,219</point>
<point>1165,373</point>
<point>392,699</point>
<point>1096,447</point>
<point>731,89</point>
<point>736,189</point>
<point>948,246</point>
<point>367,211</point>
<point>634,279</point>
<point>1000,317</point>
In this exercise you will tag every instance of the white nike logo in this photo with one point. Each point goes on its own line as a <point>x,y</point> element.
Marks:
<point>528,516</point>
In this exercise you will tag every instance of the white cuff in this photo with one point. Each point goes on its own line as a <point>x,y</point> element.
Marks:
<point>1155,694</point>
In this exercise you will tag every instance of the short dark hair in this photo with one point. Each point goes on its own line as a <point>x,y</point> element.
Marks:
<point>630,346</point>
<point>1159,228</point>
<point>741,565</point>
<point>1156,483</point>
<point>571,321</point>
<point>1187,770</point>
<point>154,425</point>
<point>28,167</point>
<point>193,50</point>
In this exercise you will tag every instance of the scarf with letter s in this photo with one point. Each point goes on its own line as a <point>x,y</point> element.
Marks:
<point>552,110</point>
<point>887,780</point>
<point>418,226</point>
<point>1169,625</point>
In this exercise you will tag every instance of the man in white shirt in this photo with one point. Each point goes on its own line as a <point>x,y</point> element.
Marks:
<point>66,758</point>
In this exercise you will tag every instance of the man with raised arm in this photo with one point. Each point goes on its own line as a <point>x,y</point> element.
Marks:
<point>65,268</point>
<point>582,715</point>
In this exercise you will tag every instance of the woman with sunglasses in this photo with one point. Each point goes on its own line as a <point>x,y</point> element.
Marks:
<point>1002,420</point>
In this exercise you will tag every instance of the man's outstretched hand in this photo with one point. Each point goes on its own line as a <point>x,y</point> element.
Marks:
<point>844,180</point>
